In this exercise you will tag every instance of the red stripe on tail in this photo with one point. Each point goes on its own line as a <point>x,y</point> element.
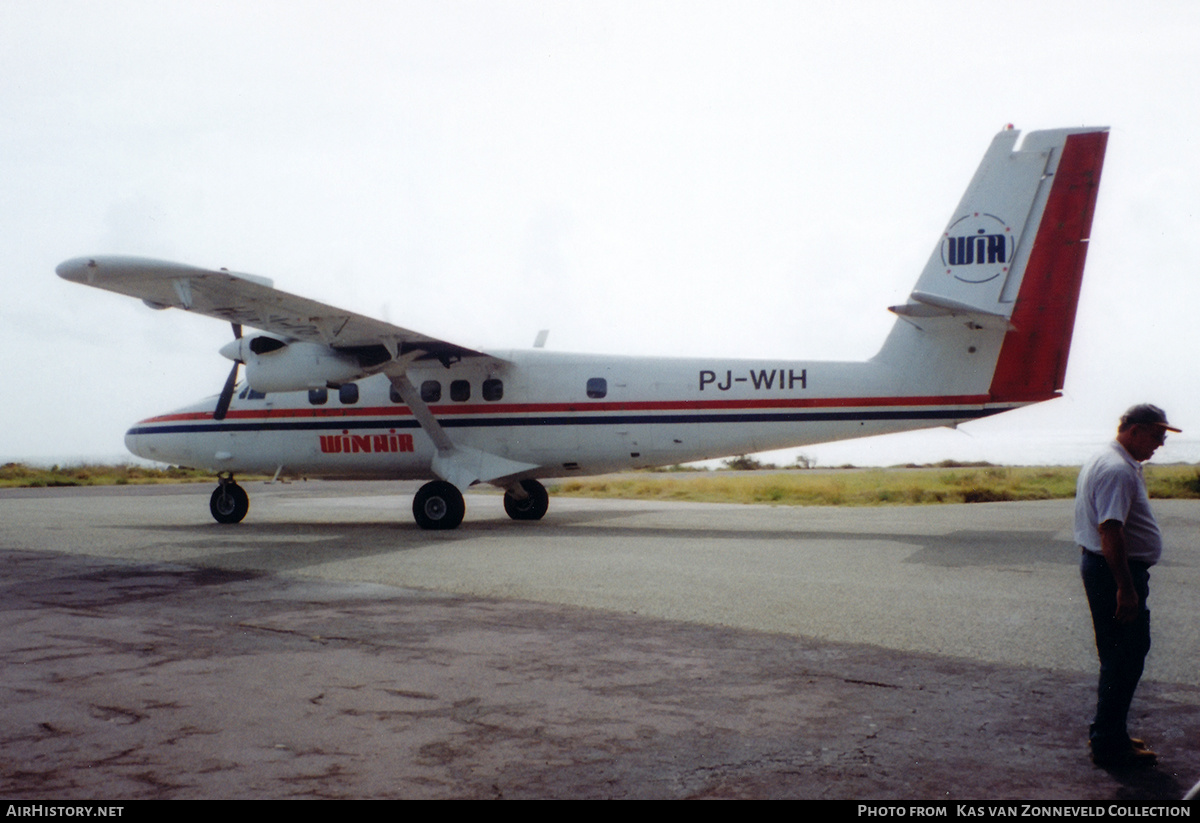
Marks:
<point>1033,358</point>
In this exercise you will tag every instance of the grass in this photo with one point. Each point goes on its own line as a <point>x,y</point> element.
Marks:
<point>869,487</point>
<point>900,486</point>
<point>20,475</point>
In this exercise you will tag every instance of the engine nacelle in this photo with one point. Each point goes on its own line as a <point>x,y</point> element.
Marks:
<point>273,365</point>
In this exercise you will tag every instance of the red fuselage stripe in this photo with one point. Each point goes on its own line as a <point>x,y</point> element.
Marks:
<point>586,408</point>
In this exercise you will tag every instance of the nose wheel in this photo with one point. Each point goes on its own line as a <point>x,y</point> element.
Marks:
<point>229,502</point>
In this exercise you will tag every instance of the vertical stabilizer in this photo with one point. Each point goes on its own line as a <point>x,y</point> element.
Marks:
<point>1007,269</point>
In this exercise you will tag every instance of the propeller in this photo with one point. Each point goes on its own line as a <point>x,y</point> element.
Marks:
<point>227,393</point>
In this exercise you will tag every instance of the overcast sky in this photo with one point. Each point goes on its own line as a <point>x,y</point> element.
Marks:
<point>725,179</point>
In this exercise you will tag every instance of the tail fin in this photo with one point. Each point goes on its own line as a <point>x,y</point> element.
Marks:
<point>1008,269</point>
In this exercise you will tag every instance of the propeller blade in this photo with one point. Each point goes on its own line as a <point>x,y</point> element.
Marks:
<point>226,393</point>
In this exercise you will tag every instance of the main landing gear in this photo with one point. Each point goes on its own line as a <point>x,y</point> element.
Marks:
<point>439,505</point>
<point>530,507</point>
<point>229,502</point>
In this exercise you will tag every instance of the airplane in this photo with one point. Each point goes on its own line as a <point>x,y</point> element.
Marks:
<point>330,393</point>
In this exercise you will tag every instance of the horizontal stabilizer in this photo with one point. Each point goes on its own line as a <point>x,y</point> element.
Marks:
<point>930,305</point>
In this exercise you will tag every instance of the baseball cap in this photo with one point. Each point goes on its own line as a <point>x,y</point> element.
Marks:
<point>1147,414</point>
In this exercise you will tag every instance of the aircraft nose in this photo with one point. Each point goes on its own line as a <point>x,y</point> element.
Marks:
<point>133,444</point>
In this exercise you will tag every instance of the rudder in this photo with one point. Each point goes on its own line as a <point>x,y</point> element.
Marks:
<point>1033,358</point>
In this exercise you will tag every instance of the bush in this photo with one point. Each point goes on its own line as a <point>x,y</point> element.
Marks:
<point>976,494</point>
<point>745,463</point>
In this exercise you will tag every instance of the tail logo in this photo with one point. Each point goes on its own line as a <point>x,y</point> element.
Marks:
<point>978,248</point>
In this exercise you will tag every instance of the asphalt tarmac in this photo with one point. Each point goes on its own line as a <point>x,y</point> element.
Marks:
<point>326,647</point>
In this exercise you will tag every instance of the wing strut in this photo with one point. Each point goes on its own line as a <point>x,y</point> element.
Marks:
<point>460,465</point>
<point>420,410</point>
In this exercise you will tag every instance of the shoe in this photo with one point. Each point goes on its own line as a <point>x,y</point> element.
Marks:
<point>1142,753</point>
<point>1136,756</point>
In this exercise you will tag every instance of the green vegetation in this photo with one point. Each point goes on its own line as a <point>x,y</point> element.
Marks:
<point>1173,482</point>
<point>951,483</point>
<point>23,476</point>
<point>946,482</point>
<point>745,462</point>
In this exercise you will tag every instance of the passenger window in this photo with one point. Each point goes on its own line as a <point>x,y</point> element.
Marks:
<point>597,387</point>
<point>318,397</point>
<point>460,390</point>
<point>431,391</point>
<point>394,395</point>
<point>493,389</point>
<point>348,393</point>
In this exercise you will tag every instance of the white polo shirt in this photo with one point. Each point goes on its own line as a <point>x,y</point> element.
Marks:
<point>1111,487</point>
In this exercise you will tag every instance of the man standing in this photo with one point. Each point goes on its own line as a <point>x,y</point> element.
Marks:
<point>1121,541</point>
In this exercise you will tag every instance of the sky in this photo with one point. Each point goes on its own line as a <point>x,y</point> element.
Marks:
<point>659,178</point>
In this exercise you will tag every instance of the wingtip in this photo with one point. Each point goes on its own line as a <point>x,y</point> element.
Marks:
<point>76,269</point>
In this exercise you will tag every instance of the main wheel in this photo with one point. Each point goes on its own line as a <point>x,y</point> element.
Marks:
<point>533,507</point>
<point>438,505</point>
<point>229,503</point>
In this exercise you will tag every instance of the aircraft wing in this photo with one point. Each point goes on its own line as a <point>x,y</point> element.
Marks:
<point>253,301</point>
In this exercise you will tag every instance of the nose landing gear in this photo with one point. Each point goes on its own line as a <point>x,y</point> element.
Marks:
<point>229,502</point>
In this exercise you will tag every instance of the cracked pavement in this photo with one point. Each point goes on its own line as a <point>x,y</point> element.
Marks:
<point>129,678</point>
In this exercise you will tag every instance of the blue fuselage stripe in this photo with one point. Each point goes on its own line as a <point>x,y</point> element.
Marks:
<point>564,420</point>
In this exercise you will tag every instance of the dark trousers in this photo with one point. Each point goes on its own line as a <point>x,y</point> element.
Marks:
<point>1122,648</point>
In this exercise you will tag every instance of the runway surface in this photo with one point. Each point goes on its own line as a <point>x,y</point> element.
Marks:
<point>326,647</point>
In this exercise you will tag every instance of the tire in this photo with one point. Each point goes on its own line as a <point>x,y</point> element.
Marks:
<point>438,505</point>
<point>229,503</point>
<point>532,507</point>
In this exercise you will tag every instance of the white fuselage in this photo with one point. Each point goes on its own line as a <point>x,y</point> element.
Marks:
<point>566,414</point>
